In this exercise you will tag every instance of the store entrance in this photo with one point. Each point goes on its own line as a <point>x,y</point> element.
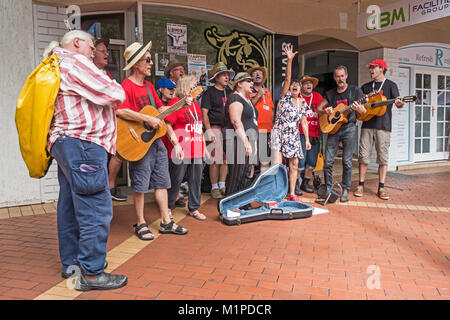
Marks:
<point>431,115</point>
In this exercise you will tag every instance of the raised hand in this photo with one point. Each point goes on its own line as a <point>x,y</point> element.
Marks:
<point>288,49</point>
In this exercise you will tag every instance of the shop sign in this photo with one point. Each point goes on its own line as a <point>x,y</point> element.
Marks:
<point>280,62</point>
<point>426,54</point>
<point>400,14</point>
<point>177,38</point>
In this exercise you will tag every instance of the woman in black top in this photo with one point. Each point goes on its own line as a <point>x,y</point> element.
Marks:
<point>240,133</point>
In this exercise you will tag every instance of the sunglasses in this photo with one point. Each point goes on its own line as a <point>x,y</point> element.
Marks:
<point>147,60</point>
<point>248,80</point>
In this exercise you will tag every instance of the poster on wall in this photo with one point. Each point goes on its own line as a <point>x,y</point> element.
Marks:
<point>161,61</point>
<point>176,38</point>
<point>280,63</point>
<point>197,65</point>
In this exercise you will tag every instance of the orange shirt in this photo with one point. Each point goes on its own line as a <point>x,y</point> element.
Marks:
<point>265,111</point>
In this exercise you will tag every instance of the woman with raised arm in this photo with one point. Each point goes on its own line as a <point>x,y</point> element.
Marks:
<point>285,135</point>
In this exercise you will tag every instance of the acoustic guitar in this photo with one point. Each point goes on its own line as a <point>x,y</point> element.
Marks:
<point>134,138</point>
<point>377,105</point>
<point>331,123</point>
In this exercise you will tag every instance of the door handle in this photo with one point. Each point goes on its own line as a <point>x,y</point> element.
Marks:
<point>432,111</point>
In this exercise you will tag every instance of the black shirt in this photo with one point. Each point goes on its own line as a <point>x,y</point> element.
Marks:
<point>249,116</point>
<point>335,98</point>
<point>390,91</point>
<point>214,100</point>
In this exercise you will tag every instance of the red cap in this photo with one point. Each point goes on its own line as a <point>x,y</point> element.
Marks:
<point>378,62</point>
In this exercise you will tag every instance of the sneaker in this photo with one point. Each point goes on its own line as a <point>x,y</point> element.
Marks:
<point>216,194</point>
<point>223,191</point>
<point>359,191</point>
<point>382,194</point>
<point>103,281</point>
<point>294,198</point>
<point>117,195</point>
<point>344,196</point>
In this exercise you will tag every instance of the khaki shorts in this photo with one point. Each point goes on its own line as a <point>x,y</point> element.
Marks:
<point>382,140</point>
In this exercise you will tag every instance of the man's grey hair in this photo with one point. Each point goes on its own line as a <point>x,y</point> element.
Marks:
<point>67,39</point>
<point>341,67</point>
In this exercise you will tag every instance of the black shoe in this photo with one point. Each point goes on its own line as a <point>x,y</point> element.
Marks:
<point>306,187</point>
<point>344,196</point>
<point>103,281</point>
<point>297,190</point>
<point>180,203</point>
<point>67,275</point>
<point>117,195</point>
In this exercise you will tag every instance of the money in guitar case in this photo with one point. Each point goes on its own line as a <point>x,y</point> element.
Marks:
<point>268,190</point>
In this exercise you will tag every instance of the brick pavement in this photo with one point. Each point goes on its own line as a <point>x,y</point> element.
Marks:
<point>327,256</point>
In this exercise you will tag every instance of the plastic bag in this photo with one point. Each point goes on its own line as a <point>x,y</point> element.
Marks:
<point>34,113</point>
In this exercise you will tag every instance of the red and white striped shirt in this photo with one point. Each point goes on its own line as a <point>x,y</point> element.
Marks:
<point>84,106</point>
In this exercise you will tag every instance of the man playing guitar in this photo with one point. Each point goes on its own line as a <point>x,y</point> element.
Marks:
<point>151,171</point>
<point>378,129</point>
<point>347,94</point>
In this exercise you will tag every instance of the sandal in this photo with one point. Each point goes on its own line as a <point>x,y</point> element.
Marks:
<point>141,234</point>
<point>197,215</point>
<point>168,228</point>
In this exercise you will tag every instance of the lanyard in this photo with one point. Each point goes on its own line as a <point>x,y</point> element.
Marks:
<point>251,106</point>
<point>310,100</point>
<point>373,85</point>
<point>150,96</point>
<point>196,118</point>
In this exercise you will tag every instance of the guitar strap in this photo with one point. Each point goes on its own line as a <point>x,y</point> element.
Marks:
<point>150,96</point>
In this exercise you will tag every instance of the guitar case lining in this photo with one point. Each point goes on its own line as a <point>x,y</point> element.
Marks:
<point>268,190</point>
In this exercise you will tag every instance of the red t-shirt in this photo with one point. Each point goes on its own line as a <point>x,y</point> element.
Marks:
<point>188,126</point>
<point>137,96</point>
<point>312,115</point>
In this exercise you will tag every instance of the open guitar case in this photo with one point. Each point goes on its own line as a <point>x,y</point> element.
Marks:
<point>269,189</point>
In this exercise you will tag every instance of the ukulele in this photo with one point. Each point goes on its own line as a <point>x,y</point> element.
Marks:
<point>134,138</point>
<point>377,105</point>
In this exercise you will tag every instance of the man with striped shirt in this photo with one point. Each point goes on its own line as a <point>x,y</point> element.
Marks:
<point>82,132</point>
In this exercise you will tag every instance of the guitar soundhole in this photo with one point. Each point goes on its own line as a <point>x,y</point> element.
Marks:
<point>148,136</point>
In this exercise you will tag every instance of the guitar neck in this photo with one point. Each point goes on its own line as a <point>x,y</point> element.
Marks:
<point>172,109</point>
<point>383,103</point>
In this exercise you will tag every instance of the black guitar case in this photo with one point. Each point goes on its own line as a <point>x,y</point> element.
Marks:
<point>269,189</point>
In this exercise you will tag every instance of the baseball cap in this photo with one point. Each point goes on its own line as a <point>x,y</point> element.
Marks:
<point>165,83</point>
<point>378,62</point>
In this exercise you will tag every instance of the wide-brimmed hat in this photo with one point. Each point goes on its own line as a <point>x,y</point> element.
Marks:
<point>172,64</point>
<point>219,67</point>
<point>105,41</point>
<point>258,67</point>
<point>305,78</point>
<point>134,52</point>
<point>241,76</point>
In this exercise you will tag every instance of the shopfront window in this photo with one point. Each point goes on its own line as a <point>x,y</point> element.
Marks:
<point>104,26</point>
<point>180,37</point>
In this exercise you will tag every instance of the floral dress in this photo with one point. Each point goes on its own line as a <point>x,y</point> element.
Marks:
<point>285,135</point>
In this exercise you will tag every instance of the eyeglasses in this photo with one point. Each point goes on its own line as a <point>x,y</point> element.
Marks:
<point>102,51</point>
<point>248,80</point>
<point>147,60</point>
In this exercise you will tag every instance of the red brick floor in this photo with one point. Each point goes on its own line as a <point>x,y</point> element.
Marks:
<point>328,256</point>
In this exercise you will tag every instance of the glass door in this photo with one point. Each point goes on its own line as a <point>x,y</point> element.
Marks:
<point>431,115</point>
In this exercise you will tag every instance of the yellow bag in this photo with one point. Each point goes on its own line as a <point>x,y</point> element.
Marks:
<point>34,113</point>
<point>319,163</point>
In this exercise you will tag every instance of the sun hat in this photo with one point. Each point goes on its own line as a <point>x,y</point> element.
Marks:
<point>134,52</point>
<point>219,67</point>
<point>305,78</point>
<point>258,67</point>
<point>165,83</point>
<point>378,62</point>
<point>241,76</point>
<point>171,65</point>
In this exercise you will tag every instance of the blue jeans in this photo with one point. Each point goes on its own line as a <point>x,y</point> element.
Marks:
<point>84,209</point>
<point>309,156</point>
<point>346,134</point>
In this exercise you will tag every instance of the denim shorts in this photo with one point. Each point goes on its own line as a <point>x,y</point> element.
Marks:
<point>152,171</point>
<point>309,156</point>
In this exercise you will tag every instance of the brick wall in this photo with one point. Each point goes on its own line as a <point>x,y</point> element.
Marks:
<point>49,26</point>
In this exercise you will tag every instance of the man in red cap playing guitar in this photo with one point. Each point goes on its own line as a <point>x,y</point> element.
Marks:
<point>378,129</point>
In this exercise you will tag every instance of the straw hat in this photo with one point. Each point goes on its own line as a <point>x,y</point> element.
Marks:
<point>219,67</point>
<point>258,67</point>
<point>171,65</point>
<point>135,52</point>
<point>241,76</point>
<point>315,81</point>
